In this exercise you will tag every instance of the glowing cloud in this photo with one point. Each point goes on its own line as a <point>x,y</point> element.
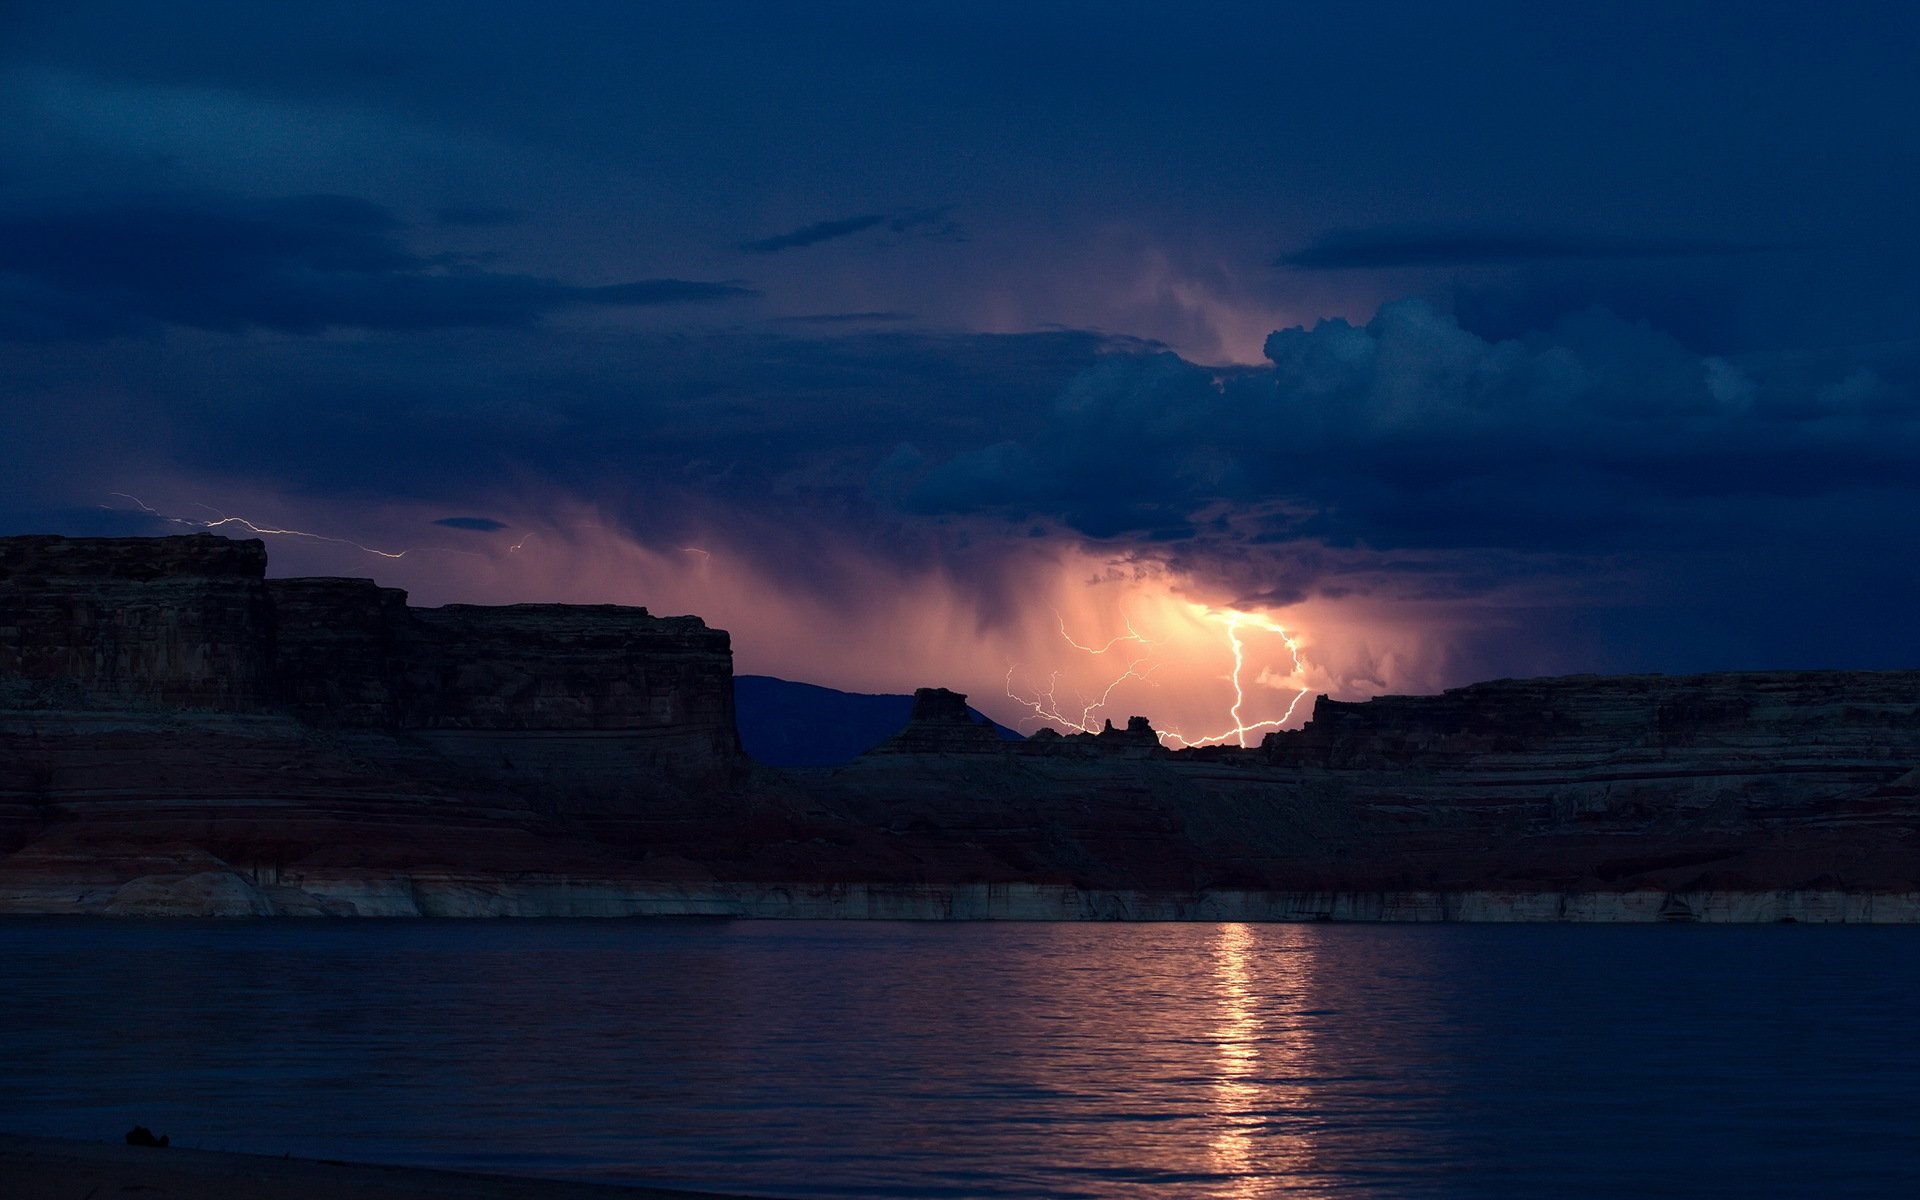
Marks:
<point>1184,645</point>
<point>1039,631</point>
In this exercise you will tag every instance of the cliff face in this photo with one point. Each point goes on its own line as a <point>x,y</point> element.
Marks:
<point>591,707</point>
<point>179,621</point>
<point>339,650</point>
<point>1591,753</point>
<point>589,699</point>
<point>179,734</point>
<point>1827,716</point>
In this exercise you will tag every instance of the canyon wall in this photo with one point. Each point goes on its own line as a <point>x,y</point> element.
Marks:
<point>1594,754</point>
<point>169,668</point>
<point>593,701</point>
<point>179,621</point>
<point>179,734</point>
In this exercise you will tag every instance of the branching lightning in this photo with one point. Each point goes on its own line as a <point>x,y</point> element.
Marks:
<point>1131,635</point>
<point>1045,705</point>
<point>1232,620</point>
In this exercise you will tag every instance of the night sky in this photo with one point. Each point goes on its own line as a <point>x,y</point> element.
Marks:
<point>1021,348</point>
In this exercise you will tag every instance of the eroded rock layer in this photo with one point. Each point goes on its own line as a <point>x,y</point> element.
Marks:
<point>160,691</point>
<point>180,735</point>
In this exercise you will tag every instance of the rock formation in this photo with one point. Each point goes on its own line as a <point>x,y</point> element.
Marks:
<point>180,735</point>
<point>166,711</point>
<point>192,623</point>
<point>592,694</point>
<point>179,621</point>
<point>941,723</point>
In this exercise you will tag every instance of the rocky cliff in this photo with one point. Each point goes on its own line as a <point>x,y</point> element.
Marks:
<point>1598,757</point>
<point>191,623</point>
<point>592,699</point>
<point>179,621</point>
<point>179,734</point>
<point>161,702</point>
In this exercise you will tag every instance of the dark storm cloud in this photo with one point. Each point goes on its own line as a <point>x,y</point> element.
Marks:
<point>1410,432</point>
<point>771,439</point>
<point>1701,309</point>
<point>728,418</point>
<point>930,223</point>
<point>1374,249</point>
<point>1660,509</point>
<point>1527,437</point>
<point>1406,456</point>
<point>476,524</point>
<point>297,265</point>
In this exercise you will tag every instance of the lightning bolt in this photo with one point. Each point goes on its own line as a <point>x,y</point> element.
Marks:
<point>1045,706</point>
<point>1231,620</point>
<point>1129,636</point>
<point>222,520</point>
<point>1044,703</point>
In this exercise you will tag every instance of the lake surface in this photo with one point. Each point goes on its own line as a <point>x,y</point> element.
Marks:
<point>993,1060</point>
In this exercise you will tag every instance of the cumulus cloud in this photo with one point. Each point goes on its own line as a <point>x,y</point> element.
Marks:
<point>1597,464</point>
<point>298,264</point>
<point>1410,430</point>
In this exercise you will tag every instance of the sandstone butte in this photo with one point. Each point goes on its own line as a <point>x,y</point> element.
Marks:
<point>180,735</point>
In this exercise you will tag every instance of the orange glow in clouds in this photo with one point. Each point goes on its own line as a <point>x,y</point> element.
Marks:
<point>1036,632</point>
<point>1188,636</point>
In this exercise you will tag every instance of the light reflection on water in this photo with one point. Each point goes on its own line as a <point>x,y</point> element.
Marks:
<point>1207,1061</point>
<point>1238,1091</point>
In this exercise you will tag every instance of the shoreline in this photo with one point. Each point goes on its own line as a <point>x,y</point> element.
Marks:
<point>232,894</point>
<point>50,1168</point>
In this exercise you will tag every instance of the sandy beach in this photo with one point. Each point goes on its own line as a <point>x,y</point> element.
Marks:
<point>39,1168</point>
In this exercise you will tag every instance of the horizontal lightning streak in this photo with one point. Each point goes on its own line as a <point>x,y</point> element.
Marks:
<point>221,520</point>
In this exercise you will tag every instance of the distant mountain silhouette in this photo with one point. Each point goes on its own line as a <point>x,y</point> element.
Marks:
<point>788,724</point>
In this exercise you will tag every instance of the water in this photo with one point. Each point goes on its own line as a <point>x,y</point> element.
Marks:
<point>855,1059</point>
